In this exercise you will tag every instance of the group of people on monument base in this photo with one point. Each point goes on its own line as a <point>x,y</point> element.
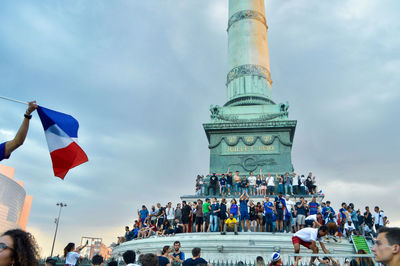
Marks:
<point>260,185</point>
<point>277,214</point>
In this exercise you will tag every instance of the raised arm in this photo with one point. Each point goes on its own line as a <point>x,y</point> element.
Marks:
<point>19,138</point>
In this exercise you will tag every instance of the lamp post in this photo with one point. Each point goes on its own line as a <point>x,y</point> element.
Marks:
<point>57,220</point>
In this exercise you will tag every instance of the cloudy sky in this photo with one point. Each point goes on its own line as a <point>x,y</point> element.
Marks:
<point>140,76</point>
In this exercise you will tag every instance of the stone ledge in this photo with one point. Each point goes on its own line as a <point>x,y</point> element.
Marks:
<point>245,246</point>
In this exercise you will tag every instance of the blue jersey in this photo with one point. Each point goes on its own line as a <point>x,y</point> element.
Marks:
<point>243,206</point>
<point>3,151</point>
<point>234,209</point>
<point>144,213</point>
<point>266,205</point>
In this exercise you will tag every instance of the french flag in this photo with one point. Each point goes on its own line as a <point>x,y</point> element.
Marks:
<point>61,132</point>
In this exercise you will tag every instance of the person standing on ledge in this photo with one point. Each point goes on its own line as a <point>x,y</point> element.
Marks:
<point>387,246</point>
<point>6,148</point>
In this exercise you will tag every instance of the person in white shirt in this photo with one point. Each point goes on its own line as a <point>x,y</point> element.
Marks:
<point>290,224</point>
<point>312,220</point>
<point>252,182</point>
<point>170,212</point>
<point>295,183</point>
<point>308,237</point>
<point>377,218</point>
<point>71,254</point>
<point>349,228</point>
<point>270,184</point>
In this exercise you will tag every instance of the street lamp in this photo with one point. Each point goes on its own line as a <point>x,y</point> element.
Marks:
<point>57,220</point>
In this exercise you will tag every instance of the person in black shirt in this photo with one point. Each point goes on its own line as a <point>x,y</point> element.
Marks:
<point>245,184</point>
<point>160,214</point>
<point>229,182</point>
<point>368,217</point>
<point>186,210</point>
<point>222,213</point>
<point>213,184</point>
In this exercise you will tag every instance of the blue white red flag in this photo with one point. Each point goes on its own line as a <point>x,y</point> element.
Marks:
<point>61,132</point>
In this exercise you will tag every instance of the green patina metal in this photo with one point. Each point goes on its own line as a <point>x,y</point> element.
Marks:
<point>250,132</point>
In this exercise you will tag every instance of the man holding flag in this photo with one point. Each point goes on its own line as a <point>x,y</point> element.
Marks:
<point>6,148</point>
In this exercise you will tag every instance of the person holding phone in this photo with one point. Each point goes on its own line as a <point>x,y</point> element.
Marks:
<point>71,254</point>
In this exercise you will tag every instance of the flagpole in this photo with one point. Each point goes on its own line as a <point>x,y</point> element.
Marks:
<point>13,100</point>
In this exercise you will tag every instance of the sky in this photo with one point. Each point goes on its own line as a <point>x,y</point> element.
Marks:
<point>140,76</point>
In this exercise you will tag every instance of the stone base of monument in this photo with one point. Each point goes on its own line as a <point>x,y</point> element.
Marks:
<point>217,248</point>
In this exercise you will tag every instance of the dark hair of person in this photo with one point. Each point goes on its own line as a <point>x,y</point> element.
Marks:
<point>25,250</point>
<point>196,252</point>
<point>97,260</point>
<point>177,242</point>
<point>149,259</point>
<point>260,261</point>
<point>392,234</point>
<point>129,256</point>
<point>184,201</point>
<point>51,261</point>
<point>323,228</point>
<point>164,250</point>
<point>68,248</point>
<point>112,263</point>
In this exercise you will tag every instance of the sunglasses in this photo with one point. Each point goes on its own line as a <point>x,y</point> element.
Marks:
<point>4,246</point>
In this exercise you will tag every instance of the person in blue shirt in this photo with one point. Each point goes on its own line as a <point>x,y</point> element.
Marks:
<point>244,210</point>
<point>214,215</point>
<point>163,260</point>
<point>280,205</point>
<point>196,259</point>
<point>6,148</point>
<point>143,214</point>
<point>178,256</point>
<point>234,208</point>
<point>313,206</point>
<point>327,210</point>
<point>269,210</point>
<point>222,185</point>
<point>128,234</point>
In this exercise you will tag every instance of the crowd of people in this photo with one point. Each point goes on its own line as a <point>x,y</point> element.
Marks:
<point>259,185</point>
<point>272,214</point>
<point>19,248</point>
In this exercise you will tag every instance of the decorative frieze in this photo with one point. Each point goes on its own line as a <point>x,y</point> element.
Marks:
<point>247,14</point>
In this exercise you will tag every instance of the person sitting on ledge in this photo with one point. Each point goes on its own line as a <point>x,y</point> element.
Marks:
<point>231,225</point>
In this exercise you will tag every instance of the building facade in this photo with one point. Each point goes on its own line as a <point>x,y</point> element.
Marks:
<point>15,205</point>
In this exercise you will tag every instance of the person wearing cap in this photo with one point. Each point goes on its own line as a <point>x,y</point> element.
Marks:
<point>6,148</point>
<point>276,259</point>
<point>308,238</point>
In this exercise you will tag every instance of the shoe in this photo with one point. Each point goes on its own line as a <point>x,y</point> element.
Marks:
<point>223,233</point>
<point>236,233</point>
